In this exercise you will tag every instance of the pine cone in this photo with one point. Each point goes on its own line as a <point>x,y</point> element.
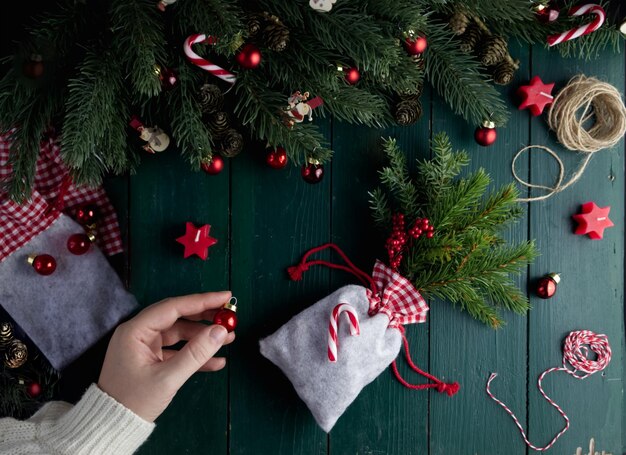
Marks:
<point>16,354</point>
<point>419,60</point>
<point>6,334</point>
<point>458,22</point>
<point>493,50</point>
<point>503,72</point>
<point>276,36</point>
<point>408,110</point>
<point>211,98</point>
<point>218,124</point>
<point>473,34</point>
<point>232,143</point>
<point>253,25</point>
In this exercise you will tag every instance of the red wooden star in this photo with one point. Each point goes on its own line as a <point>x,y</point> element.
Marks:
<point>535,96</point>
<point>197,240</point>
<point>593,220</point>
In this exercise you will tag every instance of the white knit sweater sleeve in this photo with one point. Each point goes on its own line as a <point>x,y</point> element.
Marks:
<point>96,425</point>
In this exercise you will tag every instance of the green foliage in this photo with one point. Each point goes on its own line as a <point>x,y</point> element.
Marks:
<point>467,262</point>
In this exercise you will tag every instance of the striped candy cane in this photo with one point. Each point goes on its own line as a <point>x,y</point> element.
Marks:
<point>206,65</point>
<point>589,8</point>
<point>333,342</point>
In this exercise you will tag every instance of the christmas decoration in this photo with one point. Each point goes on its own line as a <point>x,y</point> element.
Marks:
<point>458,22</point>
<point>352,75</point>
<point>34,67</point>
<point>6,334</point>
<point>547,13</point>
<point>197,241</point>
<point>227,316</point>
<point>15,354</point>
<point>313,171</point>
<point>455,262</point>
<point>86,215</point>
<point>487,134</point>
<point>204,63</point>
<point>535,96</point>
<point>44,264</point>
<point>249,56</point>
<point>218,124</point>
<point>167,76</point>
<point>592,449</point>
<point>276,34</point>
<point>575,353</point>
<point>408,110</point>
<point>546,286</point>
<point>503,72</point>
<point>211,98</point>
<point>592,220</point>
<point>277,158</point>
<point>353,319</point>
<point>232,143</point>
<point>574,33</point>
<point>415,45</point>
<point>80,243</point>
<point>157,140</point>
<point>213,166</point>
<point>162,5</point>
<point>322,5</point>
<point>34,389</point>
<point>299,106</point>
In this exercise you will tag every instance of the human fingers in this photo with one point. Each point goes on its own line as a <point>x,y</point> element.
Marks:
<point>207,315</point>
<point>214,363</point>
<point>186,330</point>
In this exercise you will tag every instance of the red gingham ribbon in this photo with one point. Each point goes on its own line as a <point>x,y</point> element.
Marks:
<point>353,319</point>
<point>573,33</point>
<point>203,63</point>
<point>53,191</point>
<point>575,352</point>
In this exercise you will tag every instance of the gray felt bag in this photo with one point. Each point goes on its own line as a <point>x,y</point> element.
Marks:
<point>321,353</point>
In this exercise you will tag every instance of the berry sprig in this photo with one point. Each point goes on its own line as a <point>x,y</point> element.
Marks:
<point>422,227</point>
<point>397,241</point>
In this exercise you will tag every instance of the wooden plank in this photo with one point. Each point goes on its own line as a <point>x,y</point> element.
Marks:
<point>590,295</point>
<point>276,217</point>
<point>386,418</point>
<point>164,194</point>
<point>464,350</point>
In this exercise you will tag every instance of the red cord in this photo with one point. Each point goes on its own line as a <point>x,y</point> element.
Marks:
<point>59,202</point>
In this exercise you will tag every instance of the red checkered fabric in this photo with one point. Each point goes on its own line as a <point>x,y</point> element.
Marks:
<point>21,222</point>
<point>397,298</point>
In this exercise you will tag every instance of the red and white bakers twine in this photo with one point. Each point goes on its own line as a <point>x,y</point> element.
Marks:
<point>575,352</point>
<point>353,318</point>
<point>203,63</point>
<point>573,33</point>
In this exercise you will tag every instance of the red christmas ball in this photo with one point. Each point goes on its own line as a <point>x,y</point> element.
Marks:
<point>353,75</point>
<point>249,56</point>
<point>87,215</point>
<point>486,135</point>
<point>79,243</point>
<point>547,13</point>
<point>34,389</point>
<point>44,264</point>
<point>313,172</point>
<point>215,166</point>
<point>227,316</point>
<point>277,158</point>
<point>415,45</point>
<point>546,286</point>
<point>168,78</point>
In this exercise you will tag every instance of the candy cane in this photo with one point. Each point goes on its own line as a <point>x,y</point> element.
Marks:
<point>203,63</point>
<point>333,342</point>
<point>590,8</point>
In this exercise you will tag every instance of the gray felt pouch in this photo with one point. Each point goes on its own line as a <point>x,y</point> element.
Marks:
<point>334,348</point>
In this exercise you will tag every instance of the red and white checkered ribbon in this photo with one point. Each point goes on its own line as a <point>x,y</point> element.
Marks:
<point>575,352</point>
<point>573,33</point>
<point>203,63</point>
<point>19,223</point>
<point>353,319</point>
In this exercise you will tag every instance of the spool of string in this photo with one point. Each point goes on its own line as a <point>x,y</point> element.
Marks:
<point>583,100</point>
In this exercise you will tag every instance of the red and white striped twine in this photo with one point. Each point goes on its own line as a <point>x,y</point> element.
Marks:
<point>353,318</point>
<point>203,63</point>
<point>575,353</point>
<point>585,29</point>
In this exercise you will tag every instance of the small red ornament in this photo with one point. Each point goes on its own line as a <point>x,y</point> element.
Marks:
<point>33,68</point>
<point>593,220</point>
<point>353,75</point>
<point>214,166</point>
<point>535,96</point>
<point>80,243</point>
<point>249,56</point>
<point>415,45</point>
<point>227,316</point>
<point>487,134</point>
<point>197,240</point>
<point>34,389</point>
<point>546,13</point>
<point>277,158</point>
<point>87,215</point>
<point>44,264</point>
<point>546,287</point>
<point>167,76</point>
<point>313,172</point>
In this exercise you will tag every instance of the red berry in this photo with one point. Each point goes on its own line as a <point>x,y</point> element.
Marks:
<point>431,228</point>
<point>425,221</point>
<point>430,234</point>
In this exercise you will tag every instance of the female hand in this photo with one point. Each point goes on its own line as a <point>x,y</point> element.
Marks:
<point>143,376</point>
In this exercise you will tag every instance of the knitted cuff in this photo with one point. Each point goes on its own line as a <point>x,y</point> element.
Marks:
<point>98,424</point>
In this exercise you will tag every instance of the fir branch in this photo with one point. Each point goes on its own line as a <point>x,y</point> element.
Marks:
<point>379,205</point>
<point>437,174</point>
<point>61,28</point>
<point>396,178</point>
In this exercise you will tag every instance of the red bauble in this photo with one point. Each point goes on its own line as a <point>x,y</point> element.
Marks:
<point>546,287</point>
<point>87,215</point>
<point>79,243</point>
<point>34,389</point>
<point>547,13</point>
<point>353,75</point>
<point>313,172</point>
<point>415,45</point>
<point>168,78</point>
<point>486,135</point>
<point>277,158</point>
<point>227,316</point>
<point>34,67</point>
<point>215,166</point>
<point>249,56</point>
<point>44,264</point>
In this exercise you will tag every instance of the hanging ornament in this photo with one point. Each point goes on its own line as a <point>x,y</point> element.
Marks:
<point>197,241</point>
<point>203,63</point>
<point>218,124</point>
<point>299,106</point>
<point>34,389</point>
<point>232,143</point>
<point>80,243</point>
<point>546,12</point>
<point>408,110</point>
<point>249,56</point>
<point>546,286</point>
<point>213,165</point>
<point>415,45</point>
<point>351,75</point>
<point>164,4</point>
<point>211,98</point>
<point>87,215</point>
<point>487,134</point>
<point>227,316</point>
<point>535,96</point>
<point>167,76</point>
<point>313,171</point>
<point>322,5</point>
<point>6,334</point>
<point>15,354</point>
<point>593,220</point>
<point>33,67</point>
<point>276,34</point>
<point>277,158</point>
<point>157,140</point>
<point>585,29</point>
<point>44,264</point>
